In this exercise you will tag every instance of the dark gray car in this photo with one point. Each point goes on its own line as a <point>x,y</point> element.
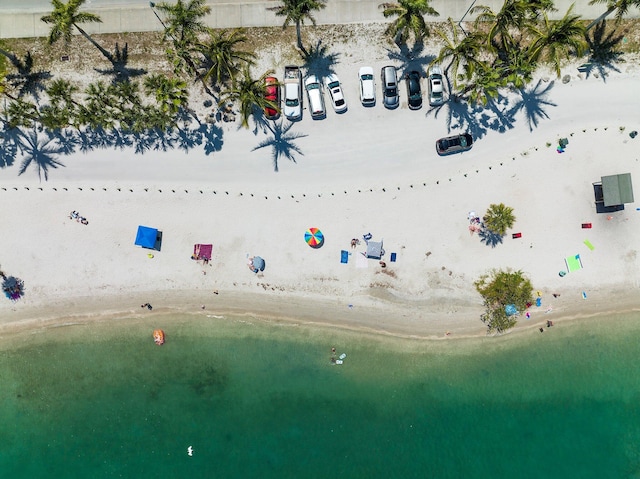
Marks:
<point>414,92</point>
<point>454,144</point>
<point>390,96</point>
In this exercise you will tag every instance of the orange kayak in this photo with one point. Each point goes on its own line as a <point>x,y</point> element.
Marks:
<point>158,337</point>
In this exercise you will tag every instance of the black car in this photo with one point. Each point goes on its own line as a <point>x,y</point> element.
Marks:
<point>414,93</point>
<point>454,144</point>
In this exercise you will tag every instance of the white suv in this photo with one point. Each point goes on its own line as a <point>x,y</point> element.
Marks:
<point>367,86</point>
<point>314,93</point>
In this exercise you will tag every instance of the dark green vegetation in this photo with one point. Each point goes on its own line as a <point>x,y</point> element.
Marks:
<point>504,48</point>
<point>160,102</point>
<point>499,289</point>
<point>499,218</point>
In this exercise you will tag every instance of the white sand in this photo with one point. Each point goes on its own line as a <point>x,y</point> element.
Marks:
<point>369,170</point>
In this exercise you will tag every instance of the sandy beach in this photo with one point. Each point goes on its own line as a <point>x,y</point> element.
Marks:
<point>369,170</point>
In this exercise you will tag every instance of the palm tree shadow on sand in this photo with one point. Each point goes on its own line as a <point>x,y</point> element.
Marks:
<point>40,150</point>
<point>602,51</point>
<point>28,81</point>
<point>212,137</point>
<point>318,61</point>
<point>281,143</point>
<point>532,102</point>
<point>490,238</point>
<point>9,146</point>
<point>119,70</point>
<point>260,122</point>
<point>412,58</point>
<point>461,115</point>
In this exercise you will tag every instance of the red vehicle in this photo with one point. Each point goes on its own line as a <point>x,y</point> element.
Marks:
<point>272,93</point>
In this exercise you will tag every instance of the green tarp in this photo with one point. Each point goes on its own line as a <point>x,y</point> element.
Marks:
<point>617,189</point>
<point>574,263</point>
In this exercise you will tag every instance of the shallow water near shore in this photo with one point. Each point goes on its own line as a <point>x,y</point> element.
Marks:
<point>262,399</point>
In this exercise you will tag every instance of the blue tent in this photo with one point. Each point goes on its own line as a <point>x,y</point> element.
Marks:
<point>510,309</point>
<point>146,237</point>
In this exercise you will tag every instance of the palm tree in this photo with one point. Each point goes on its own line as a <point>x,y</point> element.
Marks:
<point>62,108</point>
<point>21,113</point>
<point>170,93</point>
<point>249,93</point>
<point>463,54</point>
<point>183,20</point>
<point>183,24</point>
<point>517,69</point>
<point>297,11</point>
<point>484,84</point>
<point>410,19</point>
<point>97,111</point>
<point>499,218</point>
<point>224,58</point>
<point>181,57</point>
<point>556,39</point>
<point>513,16</point>
<point>621,7</point>
<point>65,16</point>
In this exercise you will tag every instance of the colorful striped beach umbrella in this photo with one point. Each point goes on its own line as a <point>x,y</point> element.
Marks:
<point>314,237</point>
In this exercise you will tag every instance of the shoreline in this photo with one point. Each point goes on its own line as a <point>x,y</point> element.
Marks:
<point>366,319</point>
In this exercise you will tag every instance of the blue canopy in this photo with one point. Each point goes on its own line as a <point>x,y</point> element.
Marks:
<point>510,309</point>
<point>146,237</point>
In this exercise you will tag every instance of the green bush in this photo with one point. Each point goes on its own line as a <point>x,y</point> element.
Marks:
<point>500,288</point>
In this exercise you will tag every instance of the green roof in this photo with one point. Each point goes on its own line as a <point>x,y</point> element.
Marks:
<point>617,189</point>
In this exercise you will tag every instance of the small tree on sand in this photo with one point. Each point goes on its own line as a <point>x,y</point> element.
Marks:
<point>498,289</point>
<point>499,218</point>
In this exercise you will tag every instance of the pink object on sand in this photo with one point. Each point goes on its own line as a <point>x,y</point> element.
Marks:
<point>202,251</point>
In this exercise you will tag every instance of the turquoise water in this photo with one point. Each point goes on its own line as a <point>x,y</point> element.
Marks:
<point>262,400</point>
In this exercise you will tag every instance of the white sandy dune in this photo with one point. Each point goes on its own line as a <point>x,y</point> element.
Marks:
<point>369,170</point>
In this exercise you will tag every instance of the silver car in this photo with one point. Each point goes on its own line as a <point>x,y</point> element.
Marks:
<point>390,96</point>
<point>436,86</point>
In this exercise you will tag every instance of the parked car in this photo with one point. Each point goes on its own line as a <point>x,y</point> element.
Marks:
<point>316,99</point>
<point>454,144</point>
<point>332,84</point>
<point>436,87</point>
<point>272,94</point>
<point>292,93</point>
<point>390,96</point>
<point>367,86</point>
<point>414,93</point>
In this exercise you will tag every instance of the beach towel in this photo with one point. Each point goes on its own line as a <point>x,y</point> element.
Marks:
<point>202,251</point>
<point>361,261</point>
<point>574,263</point>
<point>589,245</point>
<point>393,257</point>
<point>344,256</point>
